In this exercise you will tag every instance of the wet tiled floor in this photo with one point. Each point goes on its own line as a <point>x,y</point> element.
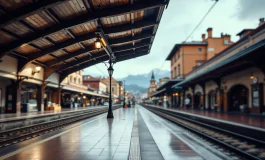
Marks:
<point>171,140</point>
<point>248,119</point>
<point>103,138</point>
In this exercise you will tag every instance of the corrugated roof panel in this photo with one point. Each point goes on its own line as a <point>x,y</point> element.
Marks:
<point>108,3</point>
<point>73,48</point>
<point>59,53</point>
<point>40,20</point>
<point>116,20</point>
<point>89,42</point>
<point>59,37</point>
<point>18,29</point>
<point>84,28</point>
<point>139,15</point>
<point>5,38</point>
<point>83,55</point>
<point>13,4</point>
<point>70,60</point>
<point>42,43</point>
<point>70,9</point>
<point>45,58</point>
<point>26,49</point>
<point>120,34</point>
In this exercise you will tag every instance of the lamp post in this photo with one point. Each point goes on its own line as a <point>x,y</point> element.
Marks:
<point>124,95</point>
<point>99,43</point>
<point>110,70</point>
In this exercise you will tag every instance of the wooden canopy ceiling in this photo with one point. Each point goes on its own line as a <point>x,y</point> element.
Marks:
<point>60,34</point>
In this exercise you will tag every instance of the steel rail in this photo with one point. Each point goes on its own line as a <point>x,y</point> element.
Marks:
<point>14,136</point>
<point>230,140</point>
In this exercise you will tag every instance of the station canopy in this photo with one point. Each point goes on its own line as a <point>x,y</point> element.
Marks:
<point>59,35</point>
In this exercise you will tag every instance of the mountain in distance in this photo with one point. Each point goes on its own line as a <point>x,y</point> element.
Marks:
<point>135,88</point>
<point>143,80</point>
<point>138,84</point>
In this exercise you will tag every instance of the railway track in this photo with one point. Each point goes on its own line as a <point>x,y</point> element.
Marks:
<point>244,146</point>
<point>17,135</point>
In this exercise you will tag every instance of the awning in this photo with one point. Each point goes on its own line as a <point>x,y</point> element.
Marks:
<point>238,55</point>
<point>159,92</point>
<point>68,88</point>
<point>59,35</point>
<point>169,83</point>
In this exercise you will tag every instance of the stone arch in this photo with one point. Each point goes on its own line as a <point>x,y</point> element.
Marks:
<point>198,89</point>
<point>238,97</point>
<point>212,99</point>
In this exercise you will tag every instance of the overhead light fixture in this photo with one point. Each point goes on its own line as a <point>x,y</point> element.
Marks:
<point>251,76</point>
<point>98,44</point>
<point>37,70</point>
<point>110,70</point>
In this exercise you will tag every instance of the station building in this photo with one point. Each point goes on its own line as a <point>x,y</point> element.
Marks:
<point>42,42</point>
<point>217,74</point>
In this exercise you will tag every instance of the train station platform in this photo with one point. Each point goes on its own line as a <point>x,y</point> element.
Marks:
<point>244,119</point>
<point>134,133</point>
<point>17,116</point>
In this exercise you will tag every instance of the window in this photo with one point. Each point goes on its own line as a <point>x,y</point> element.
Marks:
<point>175,72</point>
<point>199,63</point>
<point>1,99</point>
<point>172,74</point>
<point>178,69</point>
<point>210,49</point>
<point>199,49</point>
<point>112,89</point>
<point>226,42</point>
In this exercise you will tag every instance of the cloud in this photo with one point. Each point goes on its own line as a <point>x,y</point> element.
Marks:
<point>251,9</point>
<point>178,21</point>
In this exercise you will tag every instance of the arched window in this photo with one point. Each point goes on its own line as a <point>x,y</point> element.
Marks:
<point>71,79</point>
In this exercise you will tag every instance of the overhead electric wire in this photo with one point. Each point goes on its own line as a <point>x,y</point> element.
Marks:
<point>100,70</point>
<point>191,31</point>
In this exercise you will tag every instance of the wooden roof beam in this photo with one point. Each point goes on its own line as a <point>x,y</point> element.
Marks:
<point>84,65</point>
<point>127,27</point>
<point>70,55</point>
<point>130,39</point>
<point>47,51</point>
<point>80,52</point>
<point>107,48</point>
<point>86,59</point>
<point>105,58</point>
<point>74,63</point>
<point>61,46</point>
<point>109,12</point>
<point>126,57</point>
<point>130,47</point>
<point>132,51</point>
<point>28,10</point>
<point>65,73</point>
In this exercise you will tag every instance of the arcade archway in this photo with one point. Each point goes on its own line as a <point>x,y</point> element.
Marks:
<point>238,97</point>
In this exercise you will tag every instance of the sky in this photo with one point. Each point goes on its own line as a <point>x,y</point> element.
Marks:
<point>178,21</point>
